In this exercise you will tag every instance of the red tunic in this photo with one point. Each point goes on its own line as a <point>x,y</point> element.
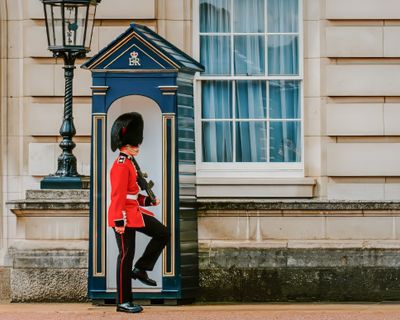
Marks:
<point>123,185</point>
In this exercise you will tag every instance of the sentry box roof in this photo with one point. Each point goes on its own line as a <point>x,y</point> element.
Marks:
<point>141,49</point>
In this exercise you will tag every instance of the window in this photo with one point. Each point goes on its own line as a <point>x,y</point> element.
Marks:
<point>251,89</point>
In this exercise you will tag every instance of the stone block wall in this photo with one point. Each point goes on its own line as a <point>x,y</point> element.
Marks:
<point>282,274</point>
<point>5,286</point>
<point>362,99</point>
<point>48,257</point>
<point>299,251</point>
<point>48,275</point>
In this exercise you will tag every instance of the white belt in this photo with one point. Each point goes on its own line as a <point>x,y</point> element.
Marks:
<point>132,196</point>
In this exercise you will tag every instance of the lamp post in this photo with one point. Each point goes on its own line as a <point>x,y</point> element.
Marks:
<point>69,27</point>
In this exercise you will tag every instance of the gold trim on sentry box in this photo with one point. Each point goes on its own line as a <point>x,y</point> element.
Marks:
<point>168,90</point>
<point>134,70</point>
<point>99,90</point>
<point>124,41</point>
<point>141,50</point>
<point>111,51</point>
<point>99,118</point>
<point>169,202</point>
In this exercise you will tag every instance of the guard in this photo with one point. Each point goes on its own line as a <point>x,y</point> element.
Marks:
<point>126,214</point>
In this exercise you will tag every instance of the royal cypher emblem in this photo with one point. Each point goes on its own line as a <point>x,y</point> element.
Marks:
<point>134,59</point>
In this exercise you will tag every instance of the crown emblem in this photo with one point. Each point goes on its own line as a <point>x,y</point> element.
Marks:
<point>134,59</point>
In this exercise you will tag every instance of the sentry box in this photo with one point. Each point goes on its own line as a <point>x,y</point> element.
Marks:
<point>140,71</point>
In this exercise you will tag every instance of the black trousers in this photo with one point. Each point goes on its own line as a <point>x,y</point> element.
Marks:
<point>126,245</point>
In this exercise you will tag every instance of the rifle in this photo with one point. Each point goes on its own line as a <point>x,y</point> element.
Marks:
<point>142,182</point>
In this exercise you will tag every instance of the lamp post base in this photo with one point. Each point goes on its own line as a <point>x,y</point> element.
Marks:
<point>57,182</point>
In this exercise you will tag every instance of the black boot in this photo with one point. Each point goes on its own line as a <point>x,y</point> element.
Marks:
<point>142,276</point>
<point>129,307</point>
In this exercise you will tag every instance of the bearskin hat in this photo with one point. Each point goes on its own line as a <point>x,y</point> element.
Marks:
<point>127,129</point>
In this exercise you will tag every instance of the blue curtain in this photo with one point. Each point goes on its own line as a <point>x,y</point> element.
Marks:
<point>217,134</point>
<point>283,50</point>
<point>251,136</point>
<point>283,53</point>
<point>249,55</point>
<point>284,97</point>
<point>267,114</point>
<point>215,15</point>
<point>285,136</point>
<point>283,16</point>
<point>285,141</point>
<point>249,16</point>
<point>215,52</point>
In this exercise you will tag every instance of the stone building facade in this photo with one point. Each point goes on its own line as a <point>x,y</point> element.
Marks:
<point>324,225</point>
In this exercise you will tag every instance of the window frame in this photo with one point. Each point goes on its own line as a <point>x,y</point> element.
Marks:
<point>247,169</point>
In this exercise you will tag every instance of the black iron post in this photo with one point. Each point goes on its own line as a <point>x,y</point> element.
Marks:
<point>67,161</point>
<point>66,176</point>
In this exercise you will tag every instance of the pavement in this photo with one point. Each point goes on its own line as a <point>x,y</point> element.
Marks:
<point>73,311</point>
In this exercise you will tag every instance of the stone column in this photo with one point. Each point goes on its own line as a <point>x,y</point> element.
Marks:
<point>174,22</point>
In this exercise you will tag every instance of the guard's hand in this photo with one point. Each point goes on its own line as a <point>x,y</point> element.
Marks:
<point>156,203</point>
<point>120,230</point>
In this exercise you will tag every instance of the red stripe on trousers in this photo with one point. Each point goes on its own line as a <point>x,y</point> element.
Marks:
<point>120,268</point>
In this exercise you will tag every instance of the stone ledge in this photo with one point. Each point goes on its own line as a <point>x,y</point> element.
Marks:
<point>27,245</point>
<point>280,206</point>
<point>45,259</point>
<point>52,209</point>
<point>205,245</point>
<point>44,203</point>
<point>72,194</point>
